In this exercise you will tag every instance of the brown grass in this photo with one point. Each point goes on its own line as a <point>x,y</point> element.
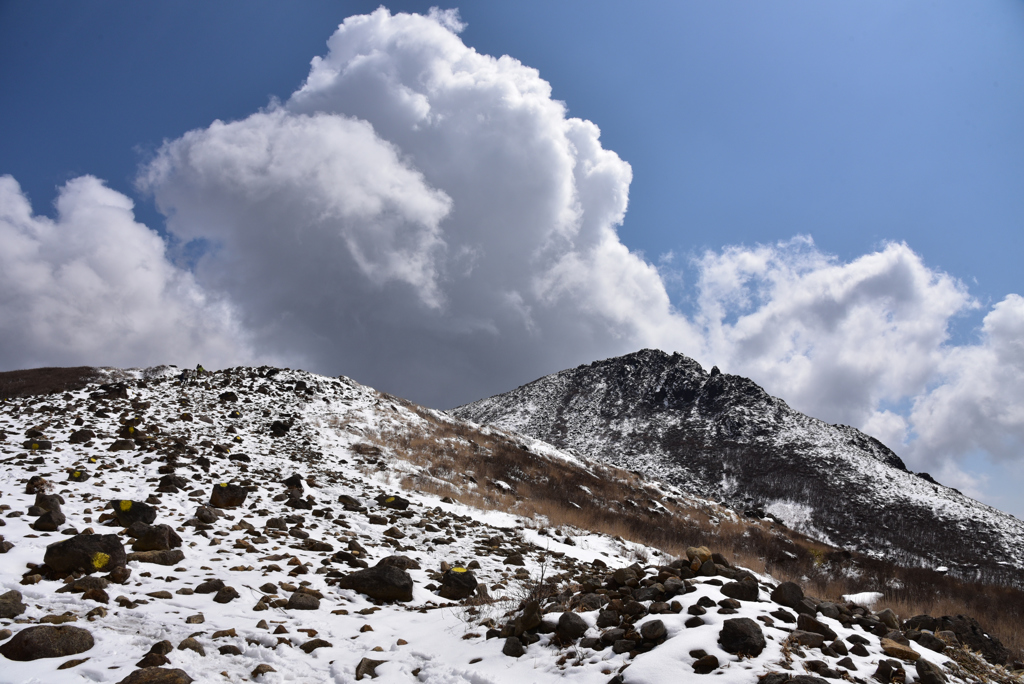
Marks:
<point>25,383</point>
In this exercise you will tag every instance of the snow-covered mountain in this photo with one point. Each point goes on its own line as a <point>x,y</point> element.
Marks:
<point>722,436</point>
<point>258,524</point>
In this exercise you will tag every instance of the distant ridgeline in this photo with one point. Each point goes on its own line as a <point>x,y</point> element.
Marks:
<point>723,436</point>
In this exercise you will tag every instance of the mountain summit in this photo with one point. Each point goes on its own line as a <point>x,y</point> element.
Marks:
<point>723,436</point>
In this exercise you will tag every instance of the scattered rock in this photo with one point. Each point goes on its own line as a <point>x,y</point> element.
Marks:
<point>169,557</point>
<point>300,600</point>
<point>513,647</point>
<point>225,495</point>
<point>457,583</point>
<point>382,582</point>
<point>262,669</point>
<point>741,636</point>
<point>705,664</point>
<point>788,594</point>
<point>47,641</point>
<point>11,605</point>
<point>898,650</point>
<point>929,673</point>
<point>366,667</point>
<point>128,512</point>
<point>314,644</point>
<point>157,675</point>
<point>86,553</point>
<point>570,627</point>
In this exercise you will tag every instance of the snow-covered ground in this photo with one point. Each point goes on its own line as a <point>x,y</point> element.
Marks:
<point>427,639</point>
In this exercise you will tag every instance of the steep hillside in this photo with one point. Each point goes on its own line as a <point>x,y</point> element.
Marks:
<point>723,436</point>
<point>268,525</point>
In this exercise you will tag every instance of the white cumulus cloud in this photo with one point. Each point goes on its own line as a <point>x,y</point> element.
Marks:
<point>94,287</point>
<point>418,215</point>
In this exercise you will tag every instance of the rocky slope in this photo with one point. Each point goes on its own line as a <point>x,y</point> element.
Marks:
<point>723,436</point>
<point>251,525</point>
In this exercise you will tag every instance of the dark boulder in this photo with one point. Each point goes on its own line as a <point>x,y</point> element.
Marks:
<point>50,521</point>
<point>301,600</point>
<point>157,538</point>
<point>457,583</point>
<point>747,590</point>
<point>809,624</point>
<point>81,436</point>
<point>227,495</point>
<point>11,605</point>
<point>382,582</point>
<point>87,553</point>
<point>128,512</point>
<point>653,630</point>
<point>971,635</point>
<point>741,636</point>
<point>705,664</point>
<point>570,627</point>
<point>929,673</point>
<point>788,594</point>
<point>47,641</point>
<point>157,675</point>
<point>393,501</point>
<point>513,647</point>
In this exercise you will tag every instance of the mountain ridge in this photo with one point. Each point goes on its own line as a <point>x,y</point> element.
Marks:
<point>724,436</point>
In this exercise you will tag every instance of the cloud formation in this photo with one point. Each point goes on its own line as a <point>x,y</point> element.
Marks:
<point>418,215</point>
<point>430,221</point>
<point>93,287</point>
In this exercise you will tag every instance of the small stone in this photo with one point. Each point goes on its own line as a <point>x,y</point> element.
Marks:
<point>314,644</point>
<point>11,605</point>
<point>513,647</point>
<point>570,627</point>
<point>705,664</point>
<point>366,667</point>
<point>195,619</point>
<point>262,669</point>
<point>190,644</point>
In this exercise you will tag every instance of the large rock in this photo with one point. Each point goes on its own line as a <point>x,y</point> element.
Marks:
<point>225,495</point>
<point>570,627</point>
<point>11,605</point>
<point>929,673</point>
<point>157,675</point>
<point>47,641</point>
<point>87,553</point>
<point>382,582</point>
<point>788,594</point>
<point>970,634</point>
<point>898,650</point>
<point>809,624</point>
<point>746,590</point>
<point>81,436</point>
<point>741,636</point>
<point>156,538</point>
<point>457,583</point>
<point>300,600</point>
<point>169,557</point>
<point>128,512</point>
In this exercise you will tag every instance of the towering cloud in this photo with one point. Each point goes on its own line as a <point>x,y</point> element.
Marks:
<point>418,215</point>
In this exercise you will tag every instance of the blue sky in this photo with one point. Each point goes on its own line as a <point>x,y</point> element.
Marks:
<point>746,127</point>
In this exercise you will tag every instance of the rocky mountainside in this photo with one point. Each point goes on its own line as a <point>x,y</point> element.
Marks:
<point>267,525</point>
<point>723,436</point>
